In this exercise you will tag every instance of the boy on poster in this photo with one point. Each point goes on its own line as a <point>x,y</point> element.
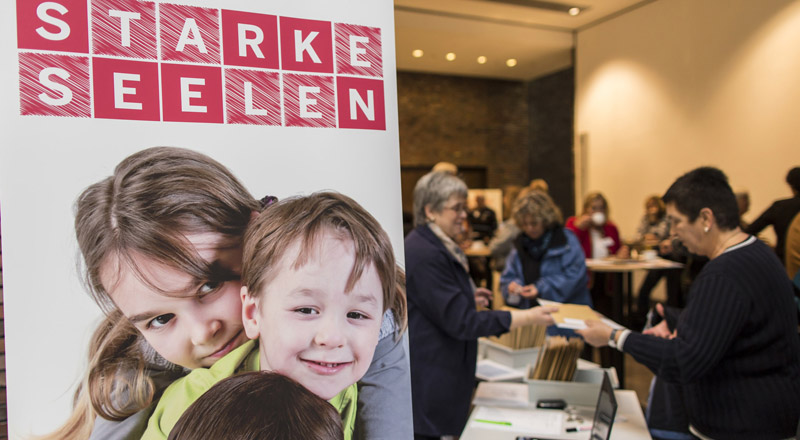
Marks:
<point>318,274</point>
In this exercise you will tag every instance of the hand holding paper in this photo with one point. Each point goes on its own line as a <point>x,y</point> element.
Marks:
<point>596,333</point>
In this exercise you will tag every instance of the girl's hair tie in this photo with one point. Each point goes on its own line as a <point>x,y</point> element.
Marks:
<point>267,200</point>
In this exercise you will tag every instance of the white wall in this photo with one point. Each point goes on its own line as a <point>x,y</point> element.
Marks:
<point>678,84</point>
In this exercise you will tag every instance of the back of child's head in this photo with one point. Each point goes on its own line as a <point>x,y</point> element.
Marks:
<point>145,208</point>
<point>305,219</point>
<point>259,405</point>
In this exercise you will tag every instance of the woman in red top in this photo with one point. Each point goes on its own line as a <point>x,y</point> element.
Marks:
<point>599,236</point>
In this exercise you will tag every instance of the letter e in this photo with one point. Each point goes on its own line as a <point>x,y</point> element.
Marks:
<point>355,51</point>
<point>120,91</point>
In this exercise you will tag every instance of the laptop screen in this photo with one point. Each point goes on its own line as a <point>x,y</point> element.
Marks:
<point>606,410</point>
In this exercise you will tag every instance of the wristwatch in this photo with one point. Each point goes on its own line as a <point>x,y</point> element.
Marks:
<point>612,340</point>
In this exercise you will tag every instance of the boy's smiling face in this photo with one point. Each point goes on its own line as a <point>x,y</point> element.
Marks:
<point>310,328</point>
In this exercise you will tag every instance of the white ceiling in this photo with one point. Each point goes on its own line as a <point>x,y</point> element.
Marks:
<point>541,40</point>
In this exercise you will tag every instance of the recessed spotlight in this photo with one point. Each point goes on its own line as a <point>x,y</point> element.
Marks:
<point>511,62</point>
<point>417,53</point>
<point>450,56</point>
<point>574,11</point>
<point>481,59</point>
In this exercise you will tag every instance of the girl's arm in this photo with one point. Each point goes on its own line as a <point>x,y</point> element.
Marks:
<point>384,393</point>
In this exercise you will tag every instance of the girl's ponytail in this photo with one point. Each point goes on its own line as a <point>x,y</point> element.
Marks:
<point>117,383</point>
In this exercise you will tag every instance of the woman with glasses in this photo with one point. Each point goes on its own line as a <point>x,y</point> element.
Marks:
<point>443,322</point>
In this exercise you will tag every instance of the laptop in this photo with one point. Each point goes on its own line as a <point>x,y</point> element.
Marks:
<point>603,415</point>
<point>605,412</point>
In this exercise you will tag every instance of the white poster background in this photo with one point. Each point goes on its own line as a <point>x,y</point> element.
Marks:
<point>45,162</point>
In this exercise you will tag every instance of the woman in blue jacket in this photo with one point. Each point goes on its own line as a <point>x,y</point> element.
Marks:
<point>547,260</point>
<point>443,323</point>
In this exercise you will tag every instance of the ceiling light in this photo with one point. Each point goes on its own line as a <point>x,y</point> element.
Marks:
<point>574,11</point>
<point>417,53</point>
<point>481,59</point>
<point>450,56</point>
<point>511,62</point>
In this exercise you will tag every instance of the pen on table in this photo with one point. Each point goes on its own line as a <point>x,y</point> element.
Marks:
<point>579,428</point>
<point>493,422</point>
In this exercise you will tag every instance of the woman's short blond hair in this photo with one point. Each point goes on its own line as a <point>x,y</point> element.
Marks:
<point>537,205</point>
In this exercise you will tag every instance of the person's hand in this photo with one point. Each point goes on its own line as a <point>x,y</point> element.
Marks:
<point>596,333</point>
<point>624,252</point>
<point>540,315</point>
<point>483,296</point>
<point>583,222</point>
<point>665,247</point>
<point>514,288</point>
<point>661,330</point>
<point>529,291</point>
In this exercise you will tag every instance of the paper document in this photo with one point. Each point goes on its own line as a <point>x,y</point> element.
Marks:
<point>572,313</point>
<point>572,316</point>
<point>492,371</point>
<point>531,421</point>
<point>501,394</point>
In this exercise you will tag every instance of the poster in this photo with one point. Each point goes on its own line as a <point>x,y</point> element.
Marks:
<point>292,96</point>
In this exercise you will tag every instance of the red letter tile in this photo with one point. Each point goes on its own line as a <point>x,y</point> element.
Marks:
<point>250,40</point>
<point>306,45</point>
<point>253,97</point>
<point>191,93</point>
<point>360,103</point>
<point>358,50</point>
<point>189,34</point>
<point>308,101</point>
<point>124,28</point>
<point>54,85</point>
<point>61,26</point>
<point>125,89</point>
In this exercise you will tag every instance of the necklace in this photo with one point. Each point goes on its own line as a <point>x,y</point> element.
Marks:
<point>724,245</point>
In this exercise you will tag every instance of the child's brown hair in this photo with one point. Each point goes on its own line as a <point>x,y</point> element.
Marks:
<point>259,405</point>
<point>146,207</point>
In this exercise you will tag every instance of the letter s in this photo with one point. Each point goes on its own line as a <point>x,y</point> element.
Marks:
<point>63,27</point>
<point>66,93</point>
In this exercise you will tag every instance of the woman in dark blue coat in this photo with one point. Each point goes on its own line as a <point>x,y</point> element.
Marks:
<point>443,322</point>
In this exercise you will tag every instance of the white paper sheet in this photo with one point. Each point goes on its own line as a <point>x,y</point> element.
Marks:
<point>533,422</point>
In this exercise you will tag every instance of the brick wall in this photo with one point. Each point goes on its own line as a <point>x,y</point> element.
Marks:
<point>467,121</point>
<point>513,130</point>
<point>552,103</point>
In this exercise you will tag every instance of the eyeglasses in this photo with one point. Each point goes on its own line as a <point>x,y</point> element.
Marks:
<point>457,208</point>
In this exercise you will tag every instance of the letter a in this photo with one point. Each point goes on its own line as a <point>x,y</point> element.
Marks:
<point>190,26</point>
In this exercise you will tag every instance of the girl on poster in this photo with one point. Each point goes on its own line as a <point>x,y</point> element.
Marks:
<point>177,218</point>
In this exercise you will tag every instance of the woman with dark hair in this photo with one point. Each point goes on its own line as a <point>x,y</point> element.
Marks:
<point>780,214</point>
<point>734,349</point>
<point>443,323</point>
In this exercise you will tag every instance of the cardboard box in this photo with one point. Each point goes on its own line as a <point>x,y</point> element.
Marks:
<point>507,356</point>
<point>582,390</point>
